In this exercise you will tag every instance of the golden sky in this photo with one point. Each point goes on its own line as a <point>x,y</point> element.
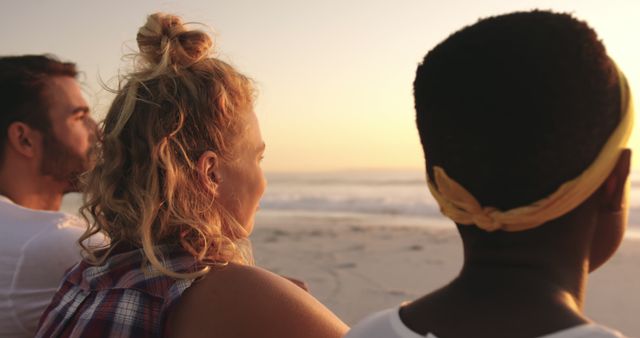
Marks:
<point>334,77</point>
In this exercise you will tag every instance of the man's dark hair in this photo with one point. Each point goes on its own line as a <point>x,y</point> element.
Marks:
<point>515,105</point>
<point>23,81</point>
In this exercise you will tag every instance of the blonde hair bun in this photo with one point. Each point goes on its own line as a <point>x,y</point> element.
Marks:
<point>165,41</point>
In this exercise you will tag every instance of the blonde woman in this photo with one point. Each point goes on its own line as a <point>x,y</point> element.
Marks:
<point>176,188</point>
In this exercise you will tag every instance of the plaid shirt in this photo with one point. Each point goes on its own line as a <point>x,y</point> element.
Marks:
<point>124,297</point>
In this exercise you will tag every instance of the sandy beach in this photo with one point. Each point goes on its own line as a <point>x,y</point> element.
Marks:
<point>360,262</point>
<point>356,268</point>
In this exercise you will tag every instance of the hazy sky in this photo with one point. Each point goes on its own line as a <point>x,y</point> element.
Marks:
<point>334,76</point>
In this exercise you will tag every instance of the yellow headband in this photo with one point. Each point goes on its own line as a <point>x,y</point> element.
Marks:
<point>459,205</point>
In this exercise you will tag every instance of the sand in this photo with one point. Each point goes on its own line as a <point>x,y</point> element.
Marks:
<point>356,268</point>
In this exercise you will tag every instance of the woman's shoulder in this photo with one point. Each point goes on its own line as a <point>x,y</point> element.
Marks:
<point>242,301</point>
<point>241,276</point>
<point>236,283</point>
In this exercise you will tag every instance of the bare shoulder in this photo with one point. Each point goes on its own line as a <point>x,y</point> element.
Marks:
<point>245,301</point>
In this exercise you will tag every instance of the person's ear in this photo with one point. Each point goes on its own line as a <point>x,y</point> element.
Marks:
<point>23,139</point>
<point>208,167</point>
<point>612,213</point>
<point>613,194</point>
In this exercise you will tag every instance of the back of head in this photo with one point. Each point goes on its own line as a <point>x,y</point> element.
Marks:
<point>23,81</point>
<point>177,103</point>
<point>515,105</point>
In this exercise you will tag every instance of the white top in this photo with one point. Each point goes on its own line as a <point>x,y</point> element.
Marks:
<point>36,247</point>
<point>387,324</point>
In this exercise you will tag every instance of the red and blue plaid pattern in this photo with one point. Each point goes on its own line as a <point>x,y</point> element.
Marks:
<point>124,297</point>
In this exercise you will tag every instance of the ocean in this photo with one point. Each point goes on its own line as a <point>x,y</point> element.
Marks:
<point>372,197</point>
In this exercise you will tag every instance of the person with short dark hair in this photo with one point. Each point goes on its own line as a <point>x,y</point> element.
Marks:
<point>524,120</point>
<point>46,139</point>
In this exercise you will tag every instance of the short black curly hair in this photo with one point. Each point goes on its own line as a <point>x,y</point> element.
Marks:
<point>515,105</point>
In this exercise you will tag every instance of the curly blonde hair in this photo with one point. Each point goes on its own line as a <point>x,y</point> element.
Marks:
<point>178,102</point>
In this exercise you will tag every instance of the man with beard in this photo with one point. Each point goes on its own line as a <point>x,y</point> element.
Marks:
<point>46,139</point>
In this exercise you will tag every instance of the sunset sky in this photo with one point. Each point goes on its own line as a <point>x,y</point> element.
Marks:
<point>334,77</point>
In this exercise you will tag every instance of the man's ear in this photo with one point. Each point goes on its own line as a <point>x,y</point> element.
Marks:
<point>613,194</point>
<point>208,167</point>
<point>23,139</point>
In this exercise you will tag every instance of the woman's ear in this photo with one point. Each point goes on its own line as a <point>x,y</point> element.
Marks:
<point>613,194</point>
<point>208,167</point>
<point>612,213</point>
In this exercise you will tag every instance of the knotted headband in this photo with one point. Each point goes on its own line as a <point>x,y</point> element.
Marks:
<point>459,205</point>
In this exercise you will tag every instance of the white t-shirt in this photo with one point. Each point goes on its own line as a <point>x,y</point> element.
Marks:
<point>387,324</point>
<point>36,247</point>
